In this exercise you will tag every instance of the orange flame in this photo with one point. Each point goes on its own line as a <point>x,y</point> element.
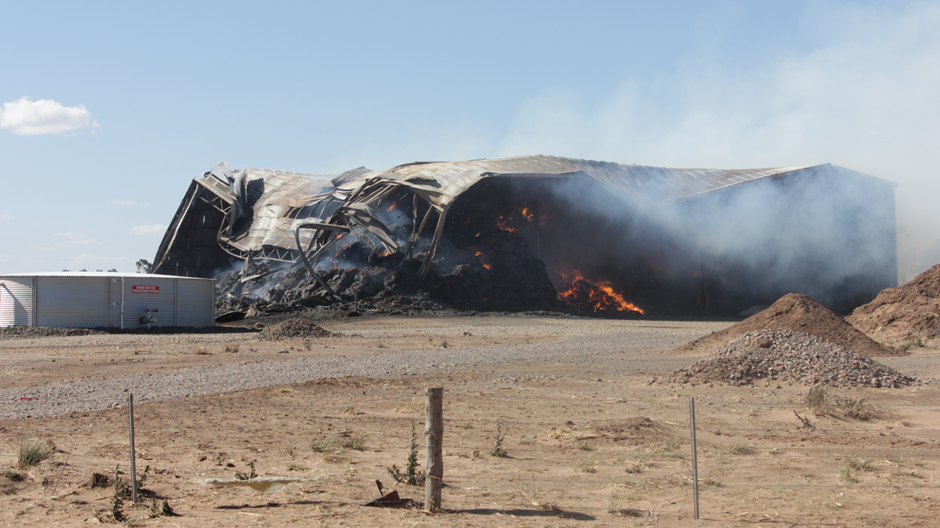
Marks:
<point>504,221</point>
<point>391,207</point>
<point>479,254</point>
<point>597,296</point>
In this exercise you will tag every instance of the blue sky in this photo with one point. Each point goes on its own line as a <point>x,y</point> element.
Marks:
<point>111,108</point>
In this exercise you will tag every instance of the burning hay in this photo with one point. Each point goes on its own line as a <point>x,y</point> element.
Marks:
<point>903,315</point>
<point>788,357</point>
<point>796,313</point>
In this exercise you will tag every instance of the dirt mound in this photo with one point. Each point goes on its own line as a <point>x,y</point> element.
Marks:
<point>793,357</point>
<point>902,315</point>
<point>796,313</point>
<point>293,328</point>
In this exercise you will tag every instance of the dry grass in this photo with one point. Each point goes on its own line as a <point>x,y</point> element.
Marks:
<point>32,451</point>
<point>416,405</point>
<point>737,448</point>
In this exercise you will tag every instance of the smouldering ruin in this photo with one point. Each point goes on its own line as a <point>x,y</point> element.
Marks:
<point>537,233</point>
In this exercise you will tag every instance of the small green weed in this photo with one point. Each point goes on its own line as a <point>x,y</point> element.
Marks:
<point>498,450</point>
<point>859,464</point>
<point>356,441</point>
<point>161,509</point>
<point>635,469</point>
<point>327,443</point>
<point>410,475</point>
<point>13,475</point>
<point>247,476</point>
<point>588,465</point>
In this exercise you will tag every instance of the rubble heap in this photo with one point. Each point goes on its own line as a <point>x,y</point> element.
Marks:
<point>789,357</point>
<point>293,328</point>
<point>796,313</point>
<point>907,314</point>
<point>499,275</point>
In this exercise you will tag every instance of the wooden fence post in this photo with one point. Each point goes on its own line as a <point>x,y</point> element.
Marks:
<point>130,412</point>
<point>433,434</point>
<point>694,459</point>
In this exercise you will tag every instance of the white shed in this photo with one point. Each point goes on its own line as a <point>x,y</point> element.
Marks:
<point>102,299</point>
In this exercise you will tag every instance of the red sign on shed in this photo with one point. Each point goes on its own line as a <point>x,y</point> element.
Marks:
<point>145,289</point>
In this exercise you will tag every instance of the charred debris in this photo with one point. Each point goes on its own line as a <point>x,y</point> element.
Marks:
<point>534,233</point>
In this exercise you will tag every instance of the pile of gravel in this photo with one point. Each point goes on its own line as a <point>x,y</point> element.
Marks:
<point>796,313</point>
<point>293,328</point>
<point>790,357</point>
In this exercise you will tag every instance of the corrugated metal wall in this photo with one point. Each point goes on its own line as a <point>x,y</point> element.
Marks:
<point>16,302</point>
<point>88,302</point>
<point>196,303</point>
<point>140,295</point>
<point>72,302</point>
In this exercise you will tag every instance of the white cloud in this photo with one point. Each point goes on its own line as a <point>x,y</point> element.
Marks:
<point>864,99</point>
<point>7,216</point>
<point>29,118</point>
<point>70,238</point>
<point>150,230</point>
<point>131,203</point>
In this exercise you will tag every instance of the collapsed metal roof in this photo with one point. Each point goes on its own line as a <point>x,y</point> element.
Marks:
<point>268,214</point>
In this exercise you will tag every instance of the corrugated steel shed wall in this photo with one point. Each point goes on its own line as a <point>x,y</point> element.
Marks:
<point>72,302</point>
<point>195,303</point>
<point>140,295</point>
<point>16,302</point>
<point>87,300</point>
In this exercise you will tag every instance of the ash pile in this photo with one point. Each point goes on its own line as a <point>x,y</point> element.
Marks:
<point>497,274</point>
<point>789,357</point>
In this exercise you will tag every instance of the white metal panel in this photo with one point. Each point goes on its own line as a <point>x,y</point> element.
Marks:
<point>16,302</point>
<point>196,303</point>
<point>115,306</point>
<point>144,291</point>
<point>72,302</point>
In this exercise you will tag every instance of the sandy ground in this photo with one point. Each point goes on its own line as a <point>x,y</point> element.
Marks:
<point>588,442</point>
